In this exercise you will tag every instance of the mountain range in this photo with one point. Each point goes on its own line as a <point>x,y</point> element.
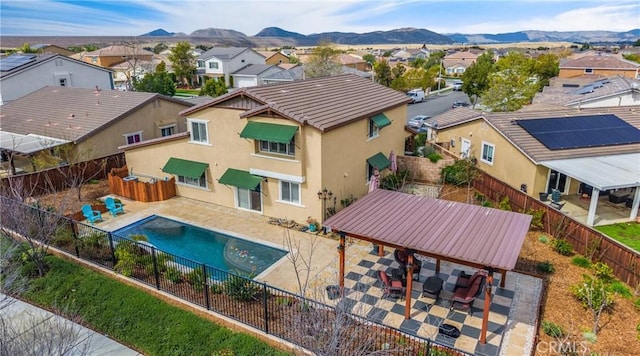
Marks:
<point>276,35</point>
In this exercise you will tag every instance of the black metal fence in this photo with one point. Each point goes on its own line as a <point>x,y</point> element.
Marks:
<point>302,321</point>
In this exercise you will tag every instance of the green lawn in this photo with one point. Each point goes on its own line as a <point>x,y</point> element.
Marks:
<point>188,92</point>
<point>136,318</point>
<point>627,233</point>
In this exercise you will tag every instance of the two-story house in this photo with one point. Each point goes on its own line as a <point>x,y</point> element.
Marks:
<point>456,63</point>
<point>223,61</point>
<point>598,64</point>
<point>126,62</point>
<point>21,74</point>
<point>273,149</point>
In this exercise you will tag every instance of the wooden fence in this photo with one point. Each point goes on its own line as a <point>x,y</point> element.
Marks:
<point>60,178</point>
<point>150,191</point>
<point>585,240</point>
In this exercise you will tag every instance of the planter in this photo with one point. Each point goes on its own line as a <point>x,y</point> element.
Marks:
<point>544,196</point>
<point>313,228</point>
<point>333,292</point>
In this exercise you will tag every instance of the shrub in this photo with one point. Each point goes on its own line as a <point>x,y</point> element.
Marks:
<point>487,204</point>
<point>636,303</point>
<point>589,337</point>
<point>581,261</point>
<point>594,296</point>
<point>504,204</point>
<point>216,288</point>
<point>434,157</point>
<point>173,275</point>
<point>603,272</point>
<point>536,218</point>
<point>125,257</point>
<point>241,289</point>
<point>196,279</point>
<point>462,172</point>
<point>546,267</point>
<point>620,289</point>
<point>562,247</point>
<point>63,236</point>
<point>284,301</point>
<point>552,329</point>
<point>544,239</point>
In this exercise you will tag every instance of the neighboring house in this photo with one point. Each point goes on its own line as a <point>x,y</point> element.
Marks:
<point>599,64</point>
<point>223,61</point>
<point>95,122</point>
<point>297,73</point>
<point>51,48</point>
<point>253,74</point>
<point>456,63</point>
<point>21,74</point>
<point>271,149</point>
<point>347,60</point>
<point>402,54</point>
<point>505,148</point>
<point>274,58</point>
<point>589,91</point>
<point>126,62</point>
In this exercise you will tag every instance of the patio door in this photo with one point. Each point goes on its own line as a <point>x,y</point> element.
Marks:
<point>558,181</point>
<point>250,199</point>
<point>465,147</point>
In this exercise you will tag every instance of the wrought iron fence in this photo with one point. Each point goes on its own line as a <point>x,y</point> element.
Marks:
<point>302,321</point>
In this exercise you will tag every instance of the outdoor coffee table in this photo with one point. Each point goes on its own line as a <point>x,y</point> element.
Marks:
<point>432,287</point>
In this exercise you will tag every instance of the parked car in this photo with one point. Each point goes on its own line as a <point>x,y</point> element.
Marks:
<point>457,85</point>
<point>417,121</point>
<point>457,104</point>
<point>416,95</point>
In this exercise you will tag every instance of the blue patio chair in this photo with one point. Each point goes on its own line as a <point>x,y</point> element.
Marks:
<point>90,214</point>
<point>114,208</point>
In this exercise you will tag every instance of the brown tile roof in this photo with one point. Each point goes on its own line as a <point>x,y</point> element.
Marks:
<point>349,59</point>
<point>119,51</point>
<point>570,96</point>
<point>324,103</point>
<point>458,232</point>
<point>71,113</point>
<point>599,62</point>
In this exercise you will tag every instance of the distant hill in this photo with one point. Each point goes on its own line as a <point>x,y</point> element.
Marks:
<point>217,32</point>
<point>399,36</point>
<point>158,33</point>
<point>549,36</point>
<point>278,32</point>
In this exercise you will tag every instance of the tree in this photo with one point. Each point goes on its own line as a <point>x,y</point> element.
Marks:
<point>160,83</point>
<point>546,66</point>
<point>475,79</point>
<point>26,48</point>
<point>161,68</point>
<point>383,72</point>
<point>513,85</point>
<point>183,62</point>
<point>160,47</point>
<point>214,87</point>
<point>413,78</point>
<point>323,62</point>
<point>369,58</point>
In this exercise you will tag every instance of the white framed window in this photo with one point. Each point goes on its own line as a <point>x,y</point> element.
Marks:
<point>133,137</point>
<point>200,64</point>
<point>199,182</point>
<point>288,149</point>
<point>374,130</point>
<point>249,199</point>
<point>63,82</point>
<point>167,130</point>
<point>290,192</point>
<point>199,131</point>
<point>488,151</point>
<point>213,65</point>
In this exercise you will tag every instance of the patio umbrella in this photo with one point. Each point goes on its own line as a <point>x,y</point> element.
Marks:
<point>394,163</point>
<point>374,181</point>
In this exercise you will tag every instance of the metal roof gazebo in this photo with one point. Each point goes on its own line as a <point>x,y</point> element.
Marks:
<point>467,234</point>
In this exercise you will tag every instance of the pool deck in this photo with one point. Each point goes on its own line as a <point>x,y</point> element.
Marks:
<point>519,330</point>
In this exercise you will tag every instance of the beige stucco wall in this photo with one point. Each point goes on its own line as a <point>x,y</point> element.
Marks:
<point>335,160</point>
<point>578,72</point>
<point>107,141</point>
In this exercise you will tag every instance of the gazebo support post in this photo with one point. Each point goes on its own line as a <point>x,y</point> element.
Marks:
<point>341,246</point>
<point>487,305</point>
<point>407,305</point>
<point>437,265</point>
<point>503,279</point>
<point>380,250</point>
<point>593,205</point>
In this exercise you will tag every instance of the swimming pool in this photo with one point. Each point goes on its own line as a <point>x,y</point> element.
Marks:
<point>215,249</point>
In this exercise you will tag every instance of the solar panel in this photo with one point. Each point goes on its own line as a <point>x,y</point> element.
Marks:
<point>570,85</point>
<point>581,131</point>
<point>14,61</point>
<point>584,90</point>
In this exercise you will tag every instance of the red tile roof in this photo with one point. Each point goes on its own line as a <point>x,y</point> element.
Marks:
<point>453,231</point>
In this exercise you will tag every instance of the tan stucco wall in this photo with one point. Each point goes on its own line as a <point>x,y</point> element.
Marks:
<point>107,141</point>
<point>276,59</point>
<point>578,72</point>
<point>335,160</point>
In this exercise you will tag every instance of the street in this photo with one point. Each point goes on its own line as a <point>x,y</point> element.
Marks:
<point>435,104</point>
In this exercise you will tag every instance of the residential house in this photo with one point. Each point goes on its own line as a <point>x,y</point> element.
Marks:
<point>223,61</point>
<point>126,62</point>
<point>253,74</point>
<point>350,61</point>
<point>456,63</point>
<point>51,48</point>
<point>508,146</point>
<point>590,91</point>
<point>273,57</point>
<point>21,74</point>
<point>96,122</point>
<point>273,149</point>
<point>599,64</point>
<point>297,73</point>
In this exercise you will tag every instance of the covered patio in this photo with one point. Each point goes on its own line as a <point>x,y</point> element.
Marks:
<point>484,238</point>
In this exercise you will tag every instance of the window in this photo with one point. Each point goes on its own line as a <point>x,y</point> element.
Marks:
<point>213,65</point>
<point>199,131</point>
<point>374,130</point>
<point>200,64</point>
<point>278,148</point>
<point>487,153</point>
<point>588,70</point>
<point>133,137</point>
<point>167,130</point>
<point>63,82</point>
<point>290,192</point>
<point>250,199</point>
<point>94,60</point>
<point>200,182</point>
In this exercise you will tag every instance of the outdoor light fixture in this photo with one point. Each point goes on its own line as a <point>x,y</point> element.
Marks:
<point>324,195</point>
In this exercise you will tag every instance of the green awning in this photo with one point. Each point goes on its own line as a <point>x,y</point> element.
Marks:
<point>183,167</point>
<point>240,179</point>
<point>379,160</point>
<point>381,120</point>
<point>269,132</point>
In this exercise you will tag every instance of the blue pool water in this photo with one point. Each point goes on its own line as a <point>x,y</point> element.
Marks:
<point>212,248</point>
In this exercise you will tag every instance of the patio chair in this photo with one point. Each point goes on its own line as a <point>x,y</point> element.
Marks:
<point>402,257</point>
<point>464,279</point>
<point>90,214</point>
<point>114,208</point>
<point>391,288</point>
<point>465,296</point>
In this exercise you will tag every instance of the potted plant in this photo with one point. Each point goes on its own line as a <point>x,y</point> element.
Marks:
<point>314,225</point>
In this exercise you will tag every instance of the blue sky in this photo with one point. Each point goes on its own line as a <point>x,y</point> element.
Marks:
<point>135,17</point>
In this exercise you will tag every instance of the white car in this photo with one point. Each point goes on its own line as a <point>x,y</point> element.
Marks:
<point>457,85</point>
<point>417,121</point>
